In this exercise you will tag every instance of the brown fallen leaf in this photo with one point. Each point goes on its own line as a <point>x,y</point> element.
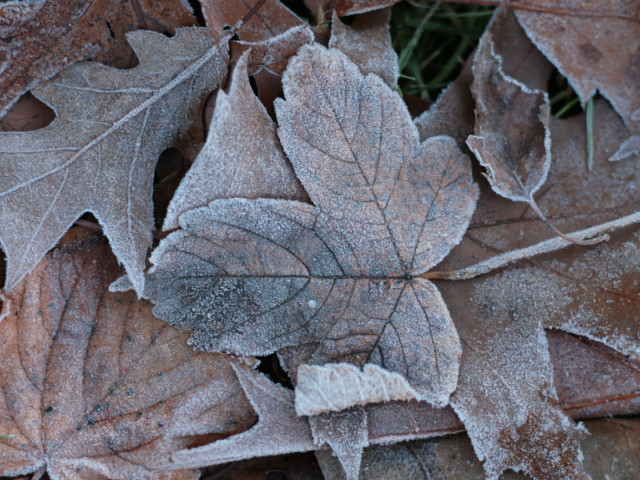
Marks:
<point>109,124</point>
<point>322,9</point>
<point>367,43</point>
<point>94,386</point>
<point>337,276</point>
<point>269,29</point>
<point>583,40</point>
<point>511,133</point>
<point>611,451</point>
<point>505,394</point>
<point>279,430</point>
<point>40,39</point>
<point>240,125</point>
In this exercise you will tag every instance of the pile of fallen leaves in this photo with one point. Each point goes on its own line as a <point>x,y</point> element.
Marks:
<point>476,268</point>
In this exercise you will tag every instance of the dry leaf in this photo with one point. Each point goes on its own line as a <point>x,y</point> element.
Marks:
<point>241,158</point>
<point>272,18</point>
<point>453,112</point>
<point>367,43</point>
<point>346,433</point>
<point>272,32</point>
<point>100,152</point>
<point>95,386</point>
<point>257,276</point>
<point>278,430</point>
<point>505,395</point>
<point>596,45</point>
<point>511,137</point>
<point>337,386</point>
<point>38,40</point>
<point>611,452</point>
<point>322,9</point>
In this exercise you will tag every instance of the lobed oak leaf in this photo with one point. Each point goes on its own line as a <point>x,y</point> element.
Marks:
<point>594,61</point>
<point>252,277</point>
<point>39,39</point>
<point>100,152</point>
<point>93,386</point>
<point>278,430</point>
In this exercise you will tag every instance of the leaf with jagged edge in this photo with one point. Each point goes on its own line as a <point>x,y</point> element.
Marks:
<point>94,386</point>
<point>40,38</point>
<point>511,133</point>
<point>607,60</point>
<point>367,43</point>
<point>251,277</point>
<point>100,152</point>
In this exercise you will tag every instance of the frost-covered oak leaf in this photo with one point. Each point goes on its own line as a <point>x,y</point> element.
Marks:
<point>100,152</point>
<point>93,386</point>
<point>340,276</point>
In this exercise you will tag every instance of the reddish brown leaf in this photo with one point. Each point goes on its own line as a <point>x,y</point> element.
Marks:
<point>322,9</point>
<point>505,395</point>
<point>596,45</point>
<point>95,386</point>
<point>39,40</point>
<point>511,138</point>
<point>110,124</point>
<point>611,451</point>
<point>270,19</point>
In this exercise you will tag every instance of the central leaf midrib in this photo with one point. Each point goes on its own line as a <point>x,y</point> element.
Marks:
<point>159,94</point>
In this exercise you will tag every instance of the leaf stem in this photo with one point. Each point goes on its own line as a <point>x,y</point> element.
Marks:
<point>546,246</point>
<point>569,238</point>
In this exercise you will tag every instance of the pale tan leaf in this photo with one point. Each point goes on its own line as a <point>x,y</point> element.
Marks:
<point>337,386</point>
<point>100,152</point>
<point>94,386</point>
<point>241,158</point>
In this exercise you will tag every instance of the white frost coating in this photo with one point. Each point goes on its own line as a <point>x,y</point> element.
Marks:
<point>504,186</point>
<point>337,386</point>
<point>367,43</point>
<point>70,166</point>
<point>241,158</point>
<point>630,147</point>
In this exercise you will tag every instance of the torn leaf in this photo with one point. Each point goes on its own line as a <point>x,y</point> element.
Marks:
<point>337,386</point>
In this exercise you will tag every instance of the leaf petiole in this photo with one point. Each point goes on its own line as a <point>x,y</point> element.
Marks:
<point>551,245</point>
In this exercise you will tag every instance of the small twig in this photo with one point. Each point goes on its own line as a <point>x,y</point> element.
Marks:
<point>246,18</point>
<point>547,246</point>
